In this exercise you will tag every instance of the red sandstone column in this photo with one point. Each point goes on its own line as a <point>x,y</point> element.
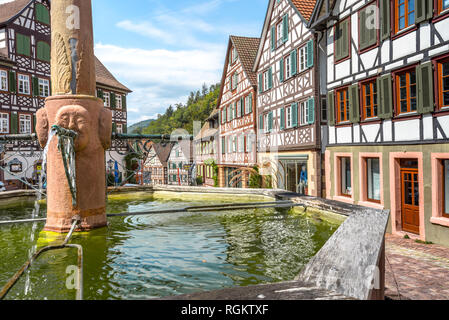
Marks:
<point>74,106</point>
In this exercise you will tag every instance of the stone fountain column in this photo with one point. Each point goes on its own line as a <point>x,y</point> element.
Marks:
<point>73,106</point>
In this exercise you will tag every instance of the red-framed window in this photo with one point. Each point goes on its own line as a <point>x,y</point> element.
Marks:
<point>442,5</point>
<point>404,14</point>
<point>445,188</point>
<point>369,100</point>
<point>443,83</point>
<point>406,92</point>
<point>342,99</point>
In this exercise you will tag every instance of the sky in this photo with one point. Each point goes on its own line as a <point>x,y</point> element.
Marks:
<point>163,50</point>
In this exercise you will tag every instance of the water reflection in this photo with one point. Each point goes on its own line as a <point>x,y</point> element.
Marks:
<point>144,257</point>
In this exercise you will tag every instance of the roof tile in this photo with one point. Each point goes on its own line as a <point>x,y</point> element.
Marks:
<point>305,7</point>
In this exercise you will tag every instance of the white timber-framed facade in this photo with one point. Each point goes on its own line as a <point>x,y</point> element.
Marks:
<point>288,102</point>
<point>388,122</point>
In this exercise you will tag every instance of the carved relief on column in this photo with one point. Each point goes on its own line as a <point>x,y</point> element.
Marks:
<point>72,48</point>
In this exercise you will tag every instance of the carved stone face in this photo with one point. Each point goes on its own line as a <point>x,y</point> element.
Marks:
<point>75,118</point>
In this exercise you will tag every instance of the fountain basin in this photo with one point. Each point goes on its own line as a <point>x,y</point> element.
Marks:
<point>158,256</point>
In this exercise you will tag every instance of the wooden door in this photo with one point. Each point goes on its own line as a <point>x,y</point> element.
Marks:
<point>410,200</point>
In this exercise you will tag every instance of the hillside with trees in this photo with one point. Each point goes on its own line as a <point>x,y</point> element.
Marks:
<point>198,108</point>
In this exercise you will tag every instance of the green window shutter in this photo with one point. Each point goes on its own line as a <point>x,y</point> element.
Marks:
<point>285,28</point>
<point>35,86</point>
<point>354,111</point>
<point>34,123</point>
<point>386,97</point>
<point>43,51</point>
<point>14,123</point>
<point>331,108</point>
<point>294,115</point>
<point>124,102</point>
<point>225,115</point>
<point>420,10</point>
<point>273,38</point>
<point>125,128</point>
<point>425,87</point>
<point>114,127</point>
<point>42,14</point>
<point>260,83</point>
<point>310,54</point>
<point>342,40</point>
<point>311,109</point>
<point>385,19</point>
<point>270,78</point>
<point>282,125</point>
<point>281,70</point>
<point>242,104</point>
<point>368,36</point>
<point>12,82</point>
<point>261,122</point>
<point>293,62</point>
<point>270,121</point>
<point>113,100</point>
<point>235,111</point>
<point>100,94</point>
<point>429,10</point>
<point>23,44</point>
<point>250,102</point>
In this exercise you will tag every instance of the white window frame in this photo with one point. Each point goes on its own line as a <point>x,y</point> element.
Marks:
<point>279,34</point>
<point>303,113</point>
<point>24,84</point>
<point>302,58</point>
<point>247,104</point>
<point>287,67</point>
<point>44,88</point>
<point>265,80</point>
<point>288,117</point>
<point>118,101</point>
<point>107,99</point>
<point>119,128</point>
<point>25,123</point>
<point>4,122</point>
<point>3,80</point>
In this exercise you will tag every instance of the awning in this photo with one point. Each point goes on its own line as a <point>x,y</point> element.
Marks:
<point>293,157</point>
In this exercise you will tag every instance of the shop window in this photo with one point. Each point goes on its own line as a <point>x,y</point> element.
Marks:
<point>345,177</point>
<point>373,179</point>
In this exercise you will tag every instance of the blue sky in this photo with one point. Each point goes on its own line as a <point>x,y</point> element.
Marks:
<point>162,50</point>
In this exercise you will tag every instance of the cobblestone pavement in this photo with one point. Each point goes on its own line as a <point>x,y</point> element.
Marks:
<point>421,271</point>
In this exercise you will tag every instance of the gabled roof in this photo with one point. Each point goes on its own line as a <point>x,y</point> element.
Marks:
<point>186,147</point>
<point>304,8</point>
<point>10,9</point>
<point>104,77</point>
<point>246,51</point>
<point>162,151</point>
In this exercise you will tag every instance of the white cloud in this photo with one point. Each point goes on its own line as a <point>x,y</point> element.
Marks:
<point>159,78</point>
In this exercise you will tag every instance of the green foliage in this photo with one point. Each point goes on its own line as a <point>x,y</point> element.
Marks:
<point>198,108</point>
<point>199,181</point>
<point>268,182</point>
<point>255,179</point>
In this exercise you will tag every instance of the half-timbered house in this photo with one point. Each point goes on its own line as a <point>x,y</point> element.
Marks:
<point>206,151</point>
<point>25,41</point>
<point>180,163</point>
<point>237,113</point>
<point>388,109</point>
<point>155,167</point>
<point>288,101</point>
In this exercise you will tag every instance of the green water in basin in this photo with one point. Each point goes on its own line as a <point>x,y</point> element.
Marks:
<point>157,256</point>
